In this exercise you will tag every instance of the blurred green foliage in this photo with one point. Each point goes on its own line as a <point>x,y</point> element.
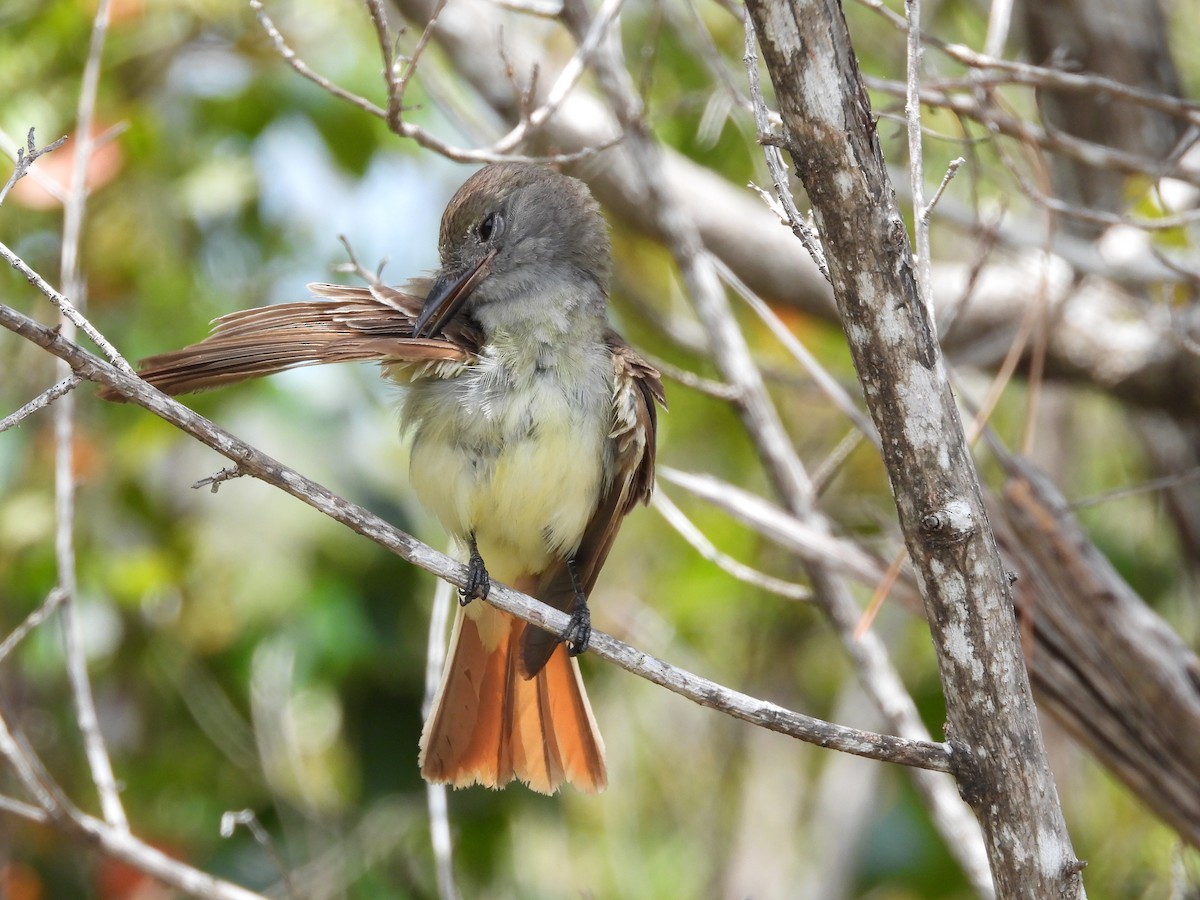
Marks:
<point>247,653</point>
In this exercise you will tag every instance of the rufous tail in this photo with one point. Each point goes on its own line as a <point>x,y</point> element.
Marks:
<point>489,725</point>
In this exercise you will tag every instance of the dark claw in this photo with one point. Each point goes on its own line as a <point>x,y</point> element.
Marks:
<point>579,630</point>
<point>478,581</point>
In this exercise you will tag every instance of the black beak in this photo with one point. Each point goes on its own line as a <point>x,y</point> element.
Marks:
<point>447,295</point>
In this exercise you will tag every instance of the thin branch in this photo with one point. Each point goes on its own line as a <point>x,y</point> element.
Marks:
<point>435,794</point>
<point>248,820</point>
<point>697,36</point>
<point>97,834</point>
<point>24,810</point>
<point>214,481</point>
<point>951,171</point>
<point>999,20</point>
<point>403,128</point>
<point>301,67</point>
<point>882,591</point>
<point>355,267</point>
<point>1146,487</point>
<point>707,386</point>
<point>812,545</point>
<point>831,465</point>
<point>785,204</point>
<point>687,530</point>
<point>41,401</point>
<point>397,83</point>
<point>919,753</point>
<point>544,9</point>
<point>968,105</point>
<point>567,79</point>
<point>439,836</point>
<point>24,158</point>
<point>916,157</point>
<point>52,602</point>
<point>64,439</point>
<point>66,307</point>
<point>826,382</point>
<point>1043,77</point>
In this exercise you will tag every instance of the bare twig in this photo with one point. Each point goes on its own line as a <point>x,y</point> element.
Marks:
<point>812,545</point>
<point>951,171</point>
<point>916,157</point>
<point>118,843</point>
<point>435,794</point>
<point>24,810</point>
<point>1044,77</point>
<point>402,127</point>
<point>786,208</point>
<point>971,106</point>
<point>396,105</point>
<point>697,36</point>
<point>567,79</point>
<point>248,820</point>
<point>41,401</point>
<point>545,9</point>
<point>26,157</point>
<point>701,544</point>
<point>708,386</point>
<point>999,19</point>
<point>52,602</point>
<point>66,307</point>
<point>881,593</point>
<point>301,67</point>
<point>354,266</point>
<point>826,382</point>
<point>214,481</point>
<point>829,467</point>
<point>1134,490</point>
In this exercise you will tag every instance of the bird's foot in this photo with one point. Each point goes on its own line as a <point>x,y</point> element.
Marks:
<point>579,629</point>
<point>478,580</point>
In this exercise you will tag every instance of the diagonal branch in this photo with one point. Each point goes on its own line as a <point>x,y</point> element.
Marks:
<point>918,753</point>
<point>53,808</point>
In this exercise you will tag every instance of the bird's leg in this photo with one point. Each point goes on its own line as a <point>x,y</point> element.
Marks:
<point>579,629</point>
<point>478,581</point>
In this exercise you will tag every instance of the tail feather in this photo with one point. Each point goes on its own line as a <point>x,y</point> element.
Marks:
<point>490,726</point>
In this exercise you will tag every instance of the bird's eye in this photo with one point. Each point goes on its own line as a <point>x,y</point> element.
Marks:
<point>490,227</point>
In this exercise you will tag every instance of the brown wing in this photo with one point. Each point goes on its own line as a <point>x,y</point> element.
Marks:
<point>347,324</point>
<point>634,431</point>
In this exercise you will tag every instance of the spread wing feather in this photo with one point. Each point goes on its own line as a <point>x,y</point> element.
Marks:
<point>347,324</point>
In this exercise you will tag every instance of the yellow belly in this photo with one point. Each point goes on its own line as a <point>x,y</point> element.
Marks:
<point>524,476</point>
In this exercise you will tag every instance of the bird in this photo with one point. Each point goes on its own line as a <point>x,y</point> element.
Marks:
<point>533,428</point>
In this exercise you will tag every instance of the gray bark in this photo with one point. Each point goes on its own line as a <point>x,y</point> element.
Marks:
<point>830,134</point>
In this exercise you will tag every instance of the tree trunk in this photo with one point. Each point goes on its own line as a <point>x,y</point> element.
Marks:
<point>830,134</point>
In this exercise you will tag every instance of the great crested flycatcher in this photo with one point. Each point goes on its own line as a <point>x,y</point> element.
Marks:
<point>533,435</point>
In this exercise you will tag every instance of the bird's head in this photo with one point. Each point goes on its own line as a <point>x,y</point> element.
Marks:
<point>519,243</point>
